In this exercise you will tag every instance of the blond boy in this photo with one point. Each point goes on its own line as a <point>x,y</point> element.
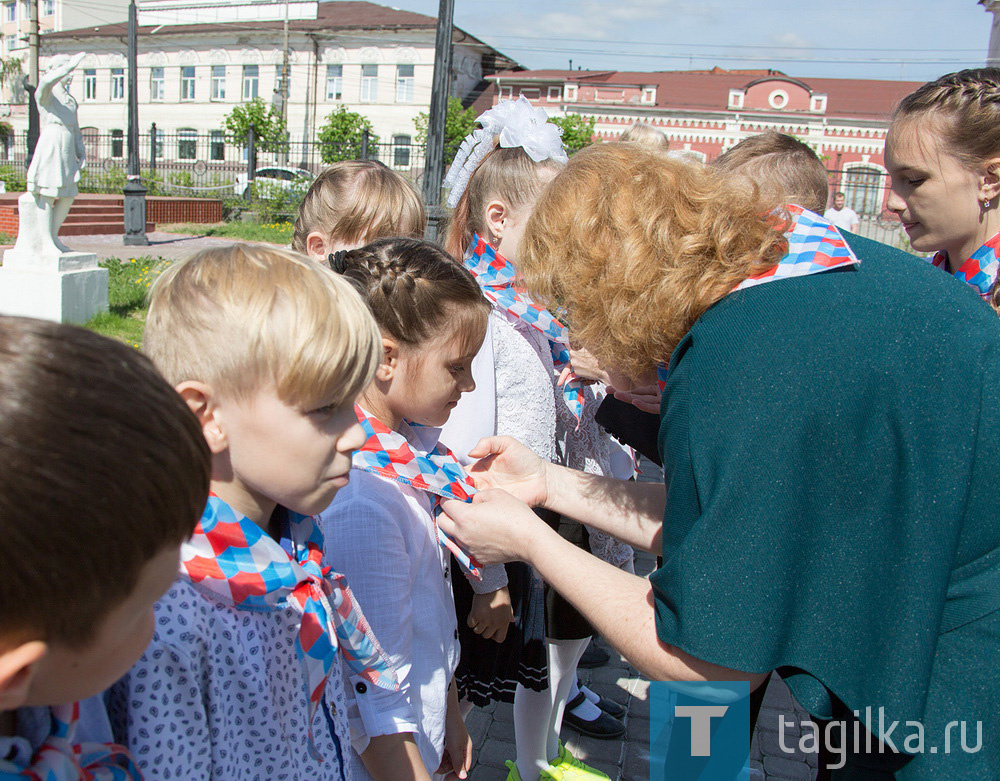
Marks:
<point>242,679</point>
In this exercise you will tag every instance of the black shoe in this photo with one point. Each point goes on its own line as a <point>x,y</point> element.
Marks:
<point>594,656</point>
<point>611,707</point>
<point>604,726</point>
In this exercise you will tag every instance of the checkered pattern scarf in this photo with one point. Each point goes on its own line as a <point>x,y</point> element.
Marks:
<point>814,245</point>
<point>495,275</point>
<point>59,758</point>
<point>389,454</point>
<point>979,271</point>
<point>239,563</point>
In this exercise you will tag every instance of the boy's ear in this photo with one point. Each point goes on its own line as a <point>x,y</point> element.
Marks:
<point>496,217</point>
<point>390,360</point>
<point>316,246</point>
<point>201,401</point>
<point>17,669</point>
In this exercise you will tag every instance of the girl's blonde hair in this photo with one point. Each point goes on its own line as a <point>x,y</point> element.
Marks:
<point>242,318</point>
<point>358,201</point>
<point>646,135</point>
<point>637,246</point>
<point>507,174</point>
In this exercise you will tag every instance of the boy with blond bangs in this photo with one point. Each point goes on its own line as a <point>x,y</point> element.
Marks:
<point>242,680</point>
<point>105,473</point>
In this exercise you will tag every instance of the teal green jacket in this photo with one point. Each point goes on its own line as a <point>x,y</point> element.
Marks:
<point>831,450</point>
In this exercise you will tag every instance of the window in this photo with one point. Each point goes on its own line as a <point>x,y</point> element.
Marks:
<point>369,83</point>
<point>90,84</point>
<point>864,188</point>
<point>187,144</point>
<point>117,143</point>
<point>187,82</point>
<point>216,145</point>
<point>49,8</point>
<point>10,12</point>
<point>218,82</point>
<point>334,82</point>
<point>401,151</point>
<point>10,42</point>
<point>251,80</point>
<point>118,84</point>
<point>156,89</point>
<point>506,92</point>
<point>404,83</point>
<point>555,93</point>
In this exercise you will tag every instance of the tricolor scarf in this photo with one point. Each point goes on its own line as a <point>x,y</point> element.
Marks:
<point>59,758</point>
<point>495,275</point>
<point>239,563</point>
<point>814,246</point>
<point>389,454</point>
<point>979,271</point>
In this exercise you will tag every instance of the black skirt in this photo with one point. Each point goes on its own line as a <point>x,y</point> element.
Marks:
<point>488,670</point>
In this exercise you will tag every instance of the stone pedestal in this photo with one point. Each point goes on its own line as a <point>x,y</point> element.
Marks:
<point>68,288</point>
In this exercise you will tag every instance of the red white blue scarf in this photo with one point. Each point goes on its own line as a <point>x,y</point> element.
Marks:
<point>60,758</point>
<point>495,275</point>
<point>239,563</point>
<point>979,271</point>
<point>814,246</point>
<point>389,454</point>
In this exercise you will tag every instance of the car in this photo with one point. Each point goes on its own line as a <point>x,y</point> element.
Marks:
<point>273,179</point>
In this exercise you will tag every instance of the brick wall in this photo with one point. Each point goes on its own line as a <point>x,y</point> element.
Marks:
<point>168,209</point>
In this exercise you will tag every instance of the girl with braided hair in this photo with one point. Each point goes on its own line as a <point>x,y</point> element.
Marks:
<point>382,526</point>
<point>943,153</point>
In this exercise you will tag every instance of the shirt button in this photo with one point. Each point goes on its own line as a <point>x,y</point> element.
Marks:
<point>445,573</point>
<point>456,634</point>
<point>361,688</point>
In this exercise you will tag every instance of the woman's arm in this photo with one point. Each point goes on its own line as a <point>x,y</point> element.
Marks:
<point>619,605</point>
<point>632,512</point>
<point>394,758</point>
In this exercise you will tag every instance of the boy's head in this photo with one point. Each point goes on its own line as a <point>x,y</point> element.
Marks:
<point>355,202</point>
<point>105,473</point>
<point>782,166</point>
<point>270,350</point>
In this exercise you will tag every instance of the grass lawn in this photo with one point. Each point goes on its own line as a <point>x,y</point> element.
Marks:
<point>275,233</point>
<point>128,285</point>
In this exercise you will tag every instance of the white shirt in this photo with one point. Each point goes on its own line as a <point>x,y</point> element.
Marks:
<point>380,534</point>
<point>845,218</point>
<point>220,693</point>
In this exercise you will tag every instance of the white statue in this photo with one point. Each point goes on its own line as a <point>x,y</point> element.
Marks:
<point>55,168</point>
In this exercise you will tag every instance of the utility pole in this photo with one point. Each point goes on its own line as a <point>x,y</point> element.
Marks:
<point>135,193</point>
<point>440,92</point>
<point>284,86</point>
<point>32,81</point>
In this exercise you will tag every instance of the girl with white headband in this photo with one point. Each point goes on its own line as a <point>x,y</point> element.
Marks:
<point>499,172</point>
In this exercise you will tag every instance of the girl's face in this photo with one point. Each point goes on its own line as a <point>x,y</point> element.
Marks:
<point>936,196</point>
<point>427,381</point>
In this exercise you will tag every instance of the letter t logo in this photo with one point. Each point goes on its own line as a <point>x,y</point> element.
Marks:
<point>701,725</point>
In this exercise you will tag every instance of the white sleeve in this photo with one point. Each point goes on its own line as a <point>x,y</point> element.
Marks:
<point>475,416</point>
<point>365,541</point>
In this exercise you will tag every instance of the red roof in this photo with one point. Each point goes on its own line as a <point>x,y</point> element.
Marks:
<point>709,90</point>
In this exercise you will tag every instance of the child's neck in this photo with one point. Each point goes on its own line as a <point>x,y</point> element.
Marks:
<point>376,405</point>
<point>257,508</point>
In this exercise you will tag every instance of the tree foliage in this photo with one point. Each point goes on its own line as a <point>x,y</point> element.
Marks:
<point>578,131</point>
<point>458,123</point>
<point>340,137</point>
<point>269,126</point>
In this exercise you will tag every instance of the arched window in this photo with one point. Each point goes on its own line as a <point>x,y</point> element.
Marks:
<point>864,188</point>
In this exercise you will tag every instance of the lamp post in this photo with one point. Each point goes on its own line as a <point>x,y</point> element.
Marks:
<point>441,90</point>
<point>135,193</point>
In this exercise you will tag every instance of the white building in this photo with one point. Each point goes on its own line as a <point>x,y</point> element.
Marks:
<point>53,15</point>
<point>375,60</point>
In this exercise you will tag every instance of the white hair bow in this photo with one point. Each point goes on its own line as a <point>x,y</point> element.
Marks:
<point>517,123</point>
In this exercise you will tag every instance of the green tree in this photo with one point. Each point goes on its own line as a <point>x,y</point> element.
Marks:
<point>578,131</point>
<point>458,123</point>
<point>340,137</point>
<point>272,135</point>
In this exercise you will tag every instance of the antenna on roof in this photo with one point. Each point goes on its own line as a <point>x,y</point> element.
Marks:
<point>571,63</point>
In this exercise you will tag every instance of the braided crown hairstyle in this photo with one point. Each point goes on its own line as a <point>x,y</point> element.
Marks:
<point>416,291</point>
<point>969,101</point>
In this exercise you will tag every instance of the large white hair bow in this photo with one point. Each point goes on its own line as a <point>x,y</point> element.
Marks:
<point>517,123</point>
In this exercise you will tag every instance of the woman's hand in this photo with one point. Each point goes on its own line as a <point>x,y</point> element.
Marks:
<point>494,528</point>
<point>646,397</point>
<point>506,463</point>
<point>491,614</point>
<point>585,367</point>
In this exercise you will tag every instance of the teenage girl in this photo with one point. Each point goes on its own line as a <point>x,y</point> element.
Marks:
<point>381,528</point>
<point>496,178</point>
<point>943,153</point>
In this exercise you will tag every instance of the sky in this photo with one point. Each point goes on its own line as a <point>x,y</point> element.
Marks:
<point>911,40</point>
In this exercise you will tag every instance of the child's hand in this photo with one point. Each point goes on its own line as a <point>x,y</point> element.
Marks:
<point>506,463</point>
<point>491,614</point>
<point>457,758</point>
